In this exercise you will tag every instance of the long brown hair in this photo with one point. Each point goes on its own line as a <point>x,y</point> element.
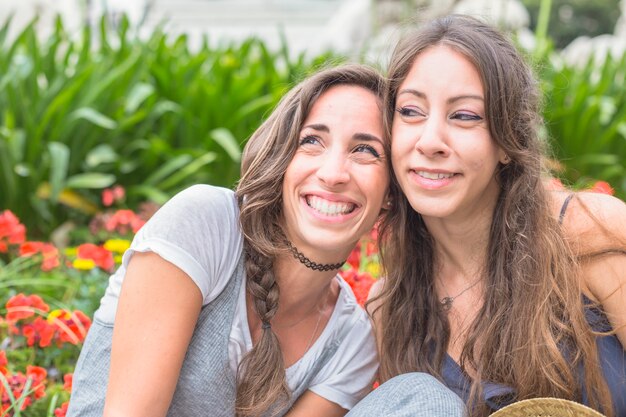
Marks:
<point>261,383</point>
<point>530,333</point>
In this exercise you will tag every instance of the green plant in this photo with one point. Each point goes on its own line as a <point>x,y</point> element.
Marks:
<point>78,114</point>
<point>585,115</point>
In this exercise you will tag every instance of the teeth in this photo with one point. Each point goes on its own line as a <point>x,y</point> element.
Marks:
<point>329,208</point>
<point>434,175</point>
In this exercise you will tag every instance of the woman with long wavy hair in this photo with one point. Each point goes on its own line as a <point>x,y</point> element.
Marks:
<point>229,303</point>
<point>499,288</point>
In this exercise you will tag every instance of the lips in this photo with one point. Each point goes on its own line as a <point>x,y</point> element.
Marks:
<point>432,179</point>
<point>329,207</point>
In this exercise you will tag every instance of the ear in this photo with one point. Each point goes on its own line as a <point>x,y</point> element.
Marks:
<point>503,157</point>
<point>387,203</point>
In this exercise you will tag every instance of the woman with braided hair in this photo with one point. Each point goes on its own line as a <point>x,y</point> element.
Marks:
<point>230,303</point>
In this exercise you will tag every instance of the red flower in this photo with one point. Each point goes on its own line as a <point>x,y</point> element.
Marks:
<point>67,382</point>
<point>122,220</point>
<point>3,362</point>
<point>360,284</point>
<point>38,376</point>
<point>101,257</point>
<point>354,260</point>
<point>17,383</point>
<point>70,327</point>
<point>49,251</point>
<point>21,306</point>
<point>602,187</point>
<point>111,195</point>
<point>38,332</point>
<point>61,411</point>
<point>12,232</point>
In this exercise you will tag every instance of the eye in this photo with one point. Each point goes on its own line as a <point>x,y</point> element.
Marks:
<point>309,140</point>
<point>367,148</point>
<point>410,112</point>
<point>464,116</point>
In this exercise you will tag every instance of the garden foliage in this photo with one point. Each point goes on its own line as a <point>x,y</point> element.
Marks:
<point>80,112</point>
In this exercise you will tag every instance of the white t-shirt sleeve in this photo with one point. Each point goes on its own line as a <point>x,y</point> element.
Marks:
<point>349,374</point>
<point>198,231</point>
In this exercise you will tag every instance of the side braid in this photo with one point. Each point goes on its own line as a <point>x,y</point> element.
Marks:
<point>261,375</point>
<point>261,379</point>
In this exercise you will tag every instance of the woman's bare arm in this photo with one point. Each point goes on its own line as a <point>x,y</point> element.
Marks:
<point>158,308</point>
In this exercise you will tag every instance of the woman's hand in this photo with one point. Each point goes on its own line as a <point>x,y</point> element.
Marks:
<point>157,312</point>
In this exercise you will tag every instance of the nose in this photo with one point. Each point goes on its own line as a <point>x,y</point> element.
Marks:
<point>432,140</point>
<point>333,169</point>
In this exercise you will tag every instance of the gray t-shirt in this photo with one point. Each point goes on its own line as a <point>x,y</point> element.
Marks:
<point>198,231</point>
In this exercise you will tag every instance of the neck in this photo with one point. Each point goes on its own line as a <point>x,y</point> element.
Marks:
<point>460,244</point>
<point>300,287</point>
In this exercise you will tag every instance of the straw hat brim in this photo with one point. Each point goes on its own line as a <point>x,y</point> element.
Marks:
<point>546,407</point>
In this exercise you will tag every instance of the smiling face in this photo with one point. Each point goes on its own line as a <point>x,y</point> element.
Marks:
<point>442,152</point>
<point>334,186</point>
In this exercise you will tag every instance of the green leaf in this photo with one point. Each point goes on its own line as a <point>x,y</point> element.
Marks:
<point>190,169</point>
<point>227,141</point>
<point>168,169</point>
<point>150,193</point>
<point>94,180</point>
<point>93,116</point>
<point>137,95</point>
<point>101,154</point>
<point>59,161</point>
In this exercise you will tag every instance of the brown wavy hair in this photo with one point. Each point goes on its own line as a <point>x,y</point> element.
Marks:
<point>261,383</point>
<point>530,333</point>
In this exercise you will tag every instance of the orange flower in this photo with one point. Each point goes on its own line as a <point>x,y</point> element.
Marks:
<point>12,232</point>
<point>49,251</point>
<point>101,257</point>
<point>21,306</point>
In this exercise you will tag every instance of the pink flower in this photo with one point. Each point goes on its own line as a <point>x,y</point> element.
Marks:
<point>122,220</point>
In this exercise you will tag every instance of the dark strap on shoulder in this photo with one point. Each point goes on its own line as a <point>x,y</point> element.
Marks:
<point>564,207</point>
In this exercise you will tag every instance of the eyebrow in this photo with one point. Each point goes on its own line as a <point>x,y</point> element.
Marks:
<point>358,136</point>
<point>449,101</point>
<point>317,126</point>
<point>367,137</point>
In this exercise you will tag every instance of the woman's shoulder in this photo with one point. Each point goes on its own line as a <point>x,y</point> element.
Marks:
<point>592,220</point>
<point>203,196</point>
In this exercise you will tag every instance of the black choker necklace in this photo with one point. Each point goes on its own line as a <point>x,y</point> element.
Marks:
<point>309,263</point>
